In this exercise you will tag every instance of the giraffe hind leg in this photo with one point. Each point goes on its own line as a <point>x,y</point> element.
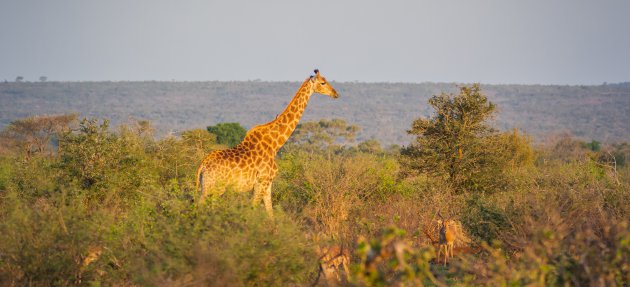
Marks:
<point>257,197</point>
<point>258,193</point>
<point>262,190</point>
<point>267,200</point>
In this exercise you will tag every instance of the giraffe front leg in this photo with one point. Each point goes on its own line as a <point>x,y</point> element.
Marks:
<point>257,195</point>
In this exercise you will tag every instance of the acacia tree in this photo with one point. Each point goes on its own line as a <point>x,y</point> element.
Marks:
<point>33,135</point>
<point>458,144</point>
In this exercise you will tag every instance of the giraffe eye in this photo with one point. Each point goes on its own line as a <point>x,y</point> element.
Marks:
<point>323,83</point>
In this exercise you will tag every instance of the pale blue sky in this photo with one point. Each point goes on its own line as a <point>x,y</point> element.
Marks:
<point>487,41</point>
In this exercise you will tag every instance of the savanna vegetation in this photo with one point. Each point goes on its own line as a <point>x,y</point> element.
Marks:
<point>85,203</point>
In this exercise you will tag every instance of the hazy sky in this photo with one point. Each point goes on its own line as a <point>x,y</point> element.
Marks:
<point>499,41</point>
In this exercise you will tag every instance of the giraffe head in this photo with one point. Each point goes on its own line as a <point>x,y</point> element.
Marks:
<point>321,86</point>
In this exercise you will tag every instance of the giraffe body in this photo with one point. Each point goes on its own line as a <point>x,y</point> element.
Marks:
<point>251,165</point>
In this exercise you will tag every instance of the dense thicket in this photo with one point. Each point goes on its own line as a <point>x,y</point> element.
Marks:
<point>96,205</point>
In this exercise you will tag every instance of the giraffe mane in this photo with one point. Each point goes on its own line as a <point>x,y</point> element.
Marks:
<point>261,126</point>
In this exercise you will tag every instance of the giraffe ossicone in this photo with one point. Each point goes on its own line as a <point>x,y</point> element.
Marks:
<point>251,165</point>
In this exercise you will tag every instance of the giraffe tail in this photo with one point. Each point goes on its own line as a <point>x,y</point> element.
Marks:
<point>199,179</point>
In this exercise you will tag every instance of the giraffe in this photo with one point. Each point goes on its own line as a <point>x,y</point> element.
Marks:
<point>251,164</point>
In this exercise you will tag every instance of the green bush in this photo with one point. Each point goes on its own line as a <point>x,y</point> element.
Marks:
<point>226,242</point>
<point>328,190</point>
<point>553,251</point>
<point>229,134</point>
<point>45,242</point>
<point>484,219</point>
<point>5,172</point>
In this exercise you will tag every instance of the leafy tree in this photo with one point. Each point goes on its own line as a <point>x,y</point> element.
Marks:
<point>229,134</point>
<point>88,154</point>
<point>459,145</point>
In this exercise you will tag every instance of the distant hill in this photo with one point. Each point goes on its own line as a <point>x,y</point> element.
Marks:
<point>384,111</point>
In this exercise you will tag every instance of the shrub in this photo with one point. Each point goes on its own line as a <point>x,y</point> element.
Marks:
<point>553,252</point>
<point>327,191</point>
<point>45,243</point>
<point>229,134</point>
<point>229,241</point>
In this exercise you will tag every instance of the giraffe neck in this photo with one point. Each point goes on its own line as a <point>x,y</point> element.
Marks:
<point>287,121</point>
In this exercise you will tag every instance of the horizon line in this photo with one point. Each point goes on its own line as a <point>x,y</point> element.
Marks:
<point>605,83</point>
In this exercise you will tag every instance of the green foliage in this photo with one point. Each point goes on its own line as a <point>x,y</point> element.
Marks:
<point>545,249</point>
<point>34,184</point>
<point>177,159</point>
<point>458,144</point>
<point>229,134</point>
<point>5,172</point>
<point>328,190</point>
<point>484,219</point>
<point>45,242</point>
<point>109,166</point>
<point>226,243</point>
